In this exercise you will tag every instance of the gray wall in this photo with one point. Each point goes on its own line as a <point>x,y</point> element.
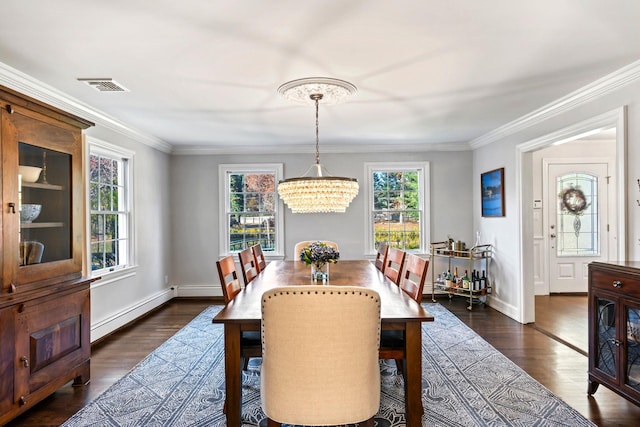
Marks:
<point>123,296</point>
<point>195,198</point>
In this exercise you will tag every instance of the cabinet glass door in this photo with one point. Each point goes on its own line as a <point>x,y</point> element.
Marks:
<point>44,204</point>
<point>633,347</point>
<point>606,341</point>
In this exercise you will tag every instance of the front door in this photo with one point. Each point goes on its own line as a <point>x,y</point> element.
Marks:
<point>577,223</point>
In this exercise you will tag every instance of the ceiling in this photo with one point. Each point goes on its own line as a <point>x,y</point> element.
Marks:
<point>205,73</point>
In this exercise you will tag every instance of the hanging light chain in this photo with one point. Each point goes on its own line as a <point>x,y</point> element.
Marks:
<point>317,97</point>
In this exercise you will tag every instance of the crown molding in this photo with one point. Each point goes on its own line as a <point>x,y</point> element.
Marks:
<point>27,85</point>
<point>601,87</point>
<point>199,150</point>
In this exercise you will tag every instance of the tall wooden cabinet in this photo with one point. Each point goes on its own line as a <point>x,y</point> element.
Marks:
<point>44,299</point>
<point>614,328</point>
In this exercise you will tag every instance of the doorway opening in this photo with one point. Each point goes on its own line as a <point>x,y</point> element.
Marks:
<point>535,230</point>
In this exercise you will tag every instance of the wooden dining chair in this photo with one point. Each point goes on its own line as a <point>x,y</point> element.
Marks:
<point>414,275</point>
<point>300,245</point>
<point>392,343</point>
<point>329,377</point>
<point>247,265</point>
<point>393,264</point>
<point>228,276</point>
<point>381,256</point>
<point>258,257</point>
<point>250,342</point>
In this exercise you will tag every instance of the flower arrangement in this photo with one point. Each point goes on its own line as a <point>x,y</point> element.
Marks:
<point>318,254</point>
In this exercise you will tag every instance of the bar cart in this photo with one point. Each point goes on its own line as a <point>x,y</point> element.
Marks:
<point>475,289</point>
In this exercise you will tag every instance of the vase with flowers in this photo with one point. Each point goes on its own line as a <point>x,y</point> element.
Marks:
<point>319,255</point>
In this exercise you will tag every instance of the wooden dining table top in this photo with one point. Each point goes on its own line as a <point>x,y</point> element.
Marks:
<point>395,305</point>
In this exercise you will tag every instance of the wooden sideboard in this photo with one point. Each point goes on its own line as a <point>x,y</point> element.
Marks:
<point>614,328</point>
<point>44,300</point>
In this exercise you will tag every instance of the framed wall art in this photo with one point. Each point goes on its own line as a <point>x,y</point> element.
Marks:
<point>492,192</point>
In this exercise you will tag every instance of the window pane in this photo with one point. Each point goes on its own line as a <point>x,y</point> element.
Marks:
<point>252,202</point>
<point>97,256</point>
<point>236,202</point>
<point>111,227</point>
<point>115,173</point>
<point>111,253</point>
<point>268,202</point>
<point>577,216</point>
<point>97,228</point>
<point>93,196</point>
<point>105,170</point>
<point>94,171</point>
<point>117,198</point>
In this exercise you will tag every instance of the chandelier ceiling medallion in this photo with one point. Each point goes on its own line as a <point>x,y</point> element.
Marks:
<point>317,191</point>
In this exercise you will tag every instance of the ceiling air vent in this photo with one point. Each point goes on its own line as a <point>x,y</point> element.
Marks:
<point>105,85</point>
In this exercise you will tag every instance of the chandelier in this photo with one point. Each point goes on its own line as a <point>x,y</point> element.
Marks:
<point>317,191</point>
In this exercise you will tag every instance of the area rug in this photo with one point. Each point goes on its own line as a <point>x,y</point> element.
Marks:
<point>465,382</point>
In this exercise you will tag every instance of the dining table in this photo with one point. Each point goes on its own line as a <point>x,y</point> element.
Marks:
<point>398,311</point>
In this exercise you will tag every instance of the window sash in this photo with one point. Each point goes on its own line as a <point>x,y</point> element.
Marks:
<point>256,216</point>
<point>110,224</point>
<point>412,238</point>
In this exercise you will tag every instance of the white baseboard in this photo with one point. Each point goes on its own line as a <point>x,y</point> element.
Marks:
<point>198,290</point>
<point>504,308</point>
<point>540,288</point>
<point>129,314</point>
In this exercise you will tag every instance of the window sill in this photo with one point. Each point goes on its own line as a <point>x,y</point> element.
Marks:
<point>107,277</point>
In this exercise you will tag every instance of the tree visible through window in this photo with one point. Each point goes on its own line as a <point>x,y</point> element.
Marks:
<point>397,208</point>
<point>252,210</point>
<point>109,212</point>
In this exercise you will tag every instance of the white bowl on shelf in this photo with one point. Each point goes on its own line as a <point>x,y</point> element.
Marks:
<point>29,212</point>
<point>29,173</point>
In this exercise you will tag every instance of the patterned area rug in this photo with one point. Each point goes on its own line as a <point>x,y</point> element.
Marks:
<point>466,382</point>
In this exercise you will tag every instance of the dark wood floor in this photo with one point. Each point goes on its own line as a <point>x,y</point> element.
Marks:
<point>559,367</point>
<point>564,317</point>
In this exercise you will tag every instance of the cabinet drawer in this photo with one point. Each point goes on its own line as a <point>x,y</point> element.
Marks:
<point>624,284</point>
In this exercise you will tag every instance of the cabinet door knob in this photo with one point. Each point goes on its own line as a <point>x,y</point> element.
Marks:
<point>617,284</point>
<point>23,400</point>
<point>25,361</point>
<point>12,207</point>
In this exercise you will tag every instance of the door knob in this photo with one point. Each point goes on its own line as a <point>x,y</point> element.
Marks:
<point>553,236</point>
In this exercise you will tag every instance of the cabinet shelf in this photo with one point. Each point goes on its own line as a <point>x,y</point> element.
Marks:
<point>42,225</point>
<point>461,291</point>
<point>43,186</point>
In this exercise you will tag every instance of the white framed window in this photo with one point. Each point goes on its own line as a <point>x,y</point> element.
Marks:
<point>110,214</point>
<point>251,211</point>
<point>397,196</point>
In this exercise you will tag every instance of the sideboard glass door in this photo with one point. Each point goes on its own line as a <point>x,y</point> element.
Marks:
<point>607,343</point>
<point>632,314</point>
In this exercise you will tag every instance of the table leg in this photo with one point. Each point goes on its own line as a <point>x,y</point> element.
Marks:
<point>413,378</point>
<point>233,374</point>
